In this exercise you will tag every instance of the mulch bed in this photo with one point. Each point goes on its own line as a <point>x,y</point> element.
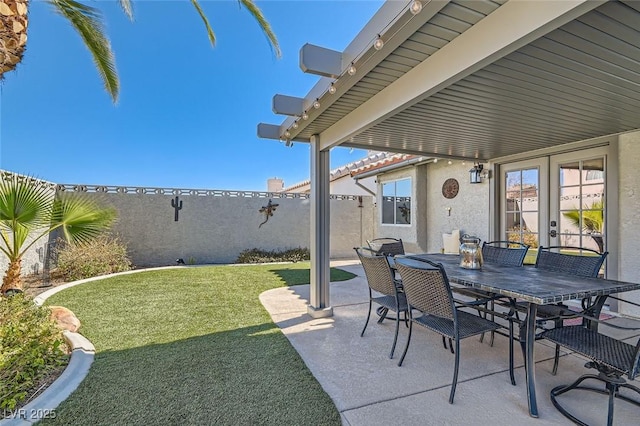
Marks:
<point>36,284</point>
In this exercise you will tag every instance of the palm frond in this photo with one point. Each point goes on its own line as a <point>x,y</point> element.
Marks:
<point>88,23</point>
<point>25,206</point>
<point>127,7</point>
<point>266,28</point>
<point>81,219</point>
<point>590,219</point>
<point>210,33</point>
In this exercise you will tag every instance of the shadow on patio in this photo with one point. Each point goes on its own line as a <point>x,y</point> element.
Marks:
<point>369,388</point>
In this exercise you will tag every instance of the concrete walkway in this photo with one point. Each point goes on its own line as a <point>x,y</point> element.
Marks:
<point>369,388</point>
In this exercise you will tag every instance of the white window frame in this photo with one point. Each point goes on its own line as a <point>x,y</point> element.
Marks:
<point>395,210</point>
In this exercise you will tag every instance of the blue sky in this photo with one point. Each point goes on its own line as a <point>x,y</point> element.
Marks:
<point>187,112</point>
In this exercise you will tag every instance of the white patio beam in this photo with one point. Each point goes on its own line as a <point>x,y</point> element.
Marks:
<point>275,131</point>
<point>511,26</point>
<point>320,61</point>
<point>269,131</point>
<point>287,105</point>
<point>398,23</point>
<point>319,305</point>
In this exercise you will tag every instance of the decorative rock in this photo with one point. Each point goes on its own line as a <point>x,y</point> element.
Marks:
<point>65,318</point>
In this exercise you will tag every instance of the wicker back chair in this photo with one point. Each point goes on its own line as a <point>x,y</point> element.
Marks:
<point>581,262</point>
<point>507,253</point>
<point>387,246</point>
<point>428,292</point>
<point>611,357</point>
<point>389,295</point>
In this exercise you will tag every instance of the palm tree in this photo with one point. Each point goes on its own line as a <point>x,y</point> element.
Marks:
<point>590,220</point>
<point>87,21</point>
<point>30,210</point>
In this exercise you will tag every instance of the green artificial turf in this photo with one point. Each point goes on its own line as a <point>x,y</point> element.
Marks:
<point>191,346</point>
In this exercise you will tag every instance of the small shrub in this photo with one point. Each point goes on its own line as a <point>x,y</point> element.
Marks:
<point>103,255</point>
<point>31,347</point>
<point>264,256</point>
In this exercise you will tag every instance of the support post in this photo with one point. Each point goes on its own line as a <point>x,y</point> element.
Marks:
<point>319,306</point>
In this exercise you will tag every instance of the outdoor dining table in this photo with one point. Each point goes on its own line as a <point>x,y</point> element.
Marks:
<point>532,285</point>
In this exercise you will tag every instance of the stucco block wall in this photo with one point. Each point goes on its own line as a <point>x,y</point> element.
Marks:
<point>215,226</point>
<point>215,229</point>
<point>629,217</point>
<point>469,210</point>
<point>33,261</point>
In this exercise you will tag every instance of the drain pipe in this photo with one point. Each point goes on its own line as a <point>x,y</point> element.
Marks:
<point>357,181</point>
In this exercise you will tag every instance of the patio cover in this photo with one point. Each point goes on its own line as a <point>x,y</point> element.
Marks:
<point>476,80</point>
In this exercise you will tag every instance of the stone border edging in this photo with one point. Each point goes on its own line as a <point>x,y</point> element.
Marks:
<point>82,354</point>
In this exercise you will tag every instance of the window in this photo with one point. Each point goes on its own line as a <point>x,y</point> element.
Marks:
<point>396,202</point>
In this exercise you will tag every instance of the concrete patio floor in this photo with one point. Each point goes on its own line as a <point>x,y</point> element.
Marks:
<point>369,388</point>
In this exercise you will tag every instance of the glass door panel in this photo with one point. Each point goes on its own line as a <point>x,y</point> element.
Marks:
<point>523,211</point>
<point>581,211</point>
<point>559,200</point>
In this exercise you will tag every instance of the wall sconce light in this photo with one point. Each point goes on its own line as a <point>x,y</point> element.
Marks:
<point>475,174</point>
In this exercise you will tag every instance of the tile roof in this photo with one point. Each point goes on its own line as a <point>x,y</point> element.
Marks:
<point>348,169</point>
<point>384,162</point>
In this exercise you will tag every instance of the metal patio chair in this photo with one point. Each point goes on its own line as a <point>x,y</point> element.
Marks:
<point>388,291</point>
<point>612,358</point>
<point>578,261</point>
<point>429,294</point>
<point>387,246</point>
<point>506,253</point>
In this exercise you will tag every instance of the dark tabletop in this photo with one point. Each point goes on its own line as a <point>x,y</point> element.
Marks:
<point>526,283</point>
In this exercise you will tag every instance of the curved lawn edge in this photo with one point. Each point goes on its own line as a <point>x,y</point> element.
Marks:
<point>39,300</point>
<point>82,354</point>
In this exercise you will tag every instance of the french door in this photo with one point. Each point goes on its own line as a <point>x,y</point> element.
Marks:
<point>555,200</point>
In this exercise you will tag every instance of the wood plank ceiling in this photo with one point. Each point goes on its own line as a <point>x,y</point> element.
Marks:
<point>577,82</point>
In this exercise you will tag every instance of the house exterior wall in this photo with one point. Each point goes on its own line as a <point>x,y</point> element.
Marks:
<point>412,234</point>
<point>629,217</point>
<point>346,185</point>
<point>469,210</point>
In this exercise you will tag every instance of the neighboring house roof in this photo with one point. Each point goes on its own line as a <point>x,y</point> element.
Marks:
<point>347,169</point>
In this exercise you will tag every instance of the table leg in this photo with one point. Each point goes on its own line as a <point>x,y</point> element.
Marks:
<point>527,341</point>
<point>594,310</point>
